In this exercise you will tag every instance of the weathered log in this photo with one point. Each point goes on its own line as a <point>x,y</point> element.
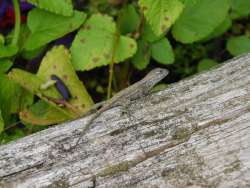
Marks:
<point>195,133</point>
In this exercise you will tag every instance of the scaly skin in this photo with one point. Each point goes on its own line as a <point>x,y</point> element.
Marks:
<point>135,91</point>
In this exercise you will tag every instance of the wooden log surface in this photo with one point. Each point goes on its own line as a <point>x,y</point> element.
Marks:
<point>195,133</point>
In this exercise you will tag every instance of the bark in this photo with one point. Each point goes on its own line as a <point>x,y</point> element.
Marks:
<point>195,133</point>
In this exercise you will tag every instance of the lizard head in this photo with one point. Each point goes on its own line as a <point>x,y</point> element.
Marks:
<point>154,76</point>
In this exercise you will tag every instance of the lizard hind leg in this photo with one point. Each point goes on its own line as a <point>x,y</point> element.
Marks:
<point>132,118</point>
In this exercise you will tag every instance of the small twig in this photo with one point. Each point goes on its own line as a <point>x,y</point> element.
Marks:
<point>17,22</point>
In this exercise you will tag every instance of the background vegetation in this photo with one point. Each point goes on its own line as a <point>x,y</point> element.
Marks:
<point>58,57</point>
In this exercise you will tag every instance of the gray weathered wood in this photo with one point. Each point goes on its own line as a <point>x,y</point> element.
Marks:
<point>195,133</point>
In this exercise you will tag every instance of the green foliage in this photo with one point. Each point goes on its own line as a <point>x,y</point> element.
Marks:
<point>161,14</point>
<point>5,65</point>
<point>129,20</point>
<point>199,19</point>
<point>97,39</point>
<point>2,40</point>
<point>12,98</point>
<point>162,51</point>
<point>240,8</point>
<point>1,122</point>
<point>221,29</point>
<point>57,62</point>
<point>238,45</point>
<point>142,57</point>
<point>103,33</point>
<point>46,27</point>
<point>206,64</point>
<point>63,7</point>
<point>8,51</point>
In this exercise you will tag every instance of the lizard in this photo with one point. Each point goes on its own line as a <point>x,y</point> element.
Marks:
<point>131,93</point>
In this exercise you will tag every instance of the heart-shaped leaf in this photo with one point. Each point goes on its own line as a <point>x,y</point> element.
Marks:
<point>94,44</point>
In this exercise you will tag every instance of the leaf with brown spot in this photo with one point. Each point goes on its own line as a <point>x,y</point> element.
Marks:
<point>57,57</point>
<point>158,10</point>
<point>100,33</point>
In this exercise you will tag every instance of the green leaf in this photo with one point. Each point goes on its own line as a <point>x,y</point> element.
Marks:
<point>5,65</point>
<point>199,19</point>
<point>162,51</point>
<point>142,57</point>
<point>148,34</point>
<point>46,27</point>
<point>240,8</point>
<point>41,113</point>
<point>161,14</point>
<point>31,54</point>
<point>8,51</point>
<point>57,62</point>
<point>222,28</point>
<point>11,97</point>
<point>94,43</point>
<point>238,45</point>
<point>129,19</point>
<point>2,39</point>
<point>1,122</point>
<point>63,7</point>
<point>206,64</point>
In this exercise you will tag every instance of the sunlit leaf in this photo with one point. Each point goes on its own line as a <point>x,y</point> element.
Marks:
<point>161,14</point>
<point>95,42</point>
<point>63,7</point>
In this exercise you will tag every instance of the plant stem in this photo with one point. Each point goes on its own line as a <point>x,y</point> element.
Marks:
<point>17,22</point>
<point>111,65</point>
<point>115,45</point>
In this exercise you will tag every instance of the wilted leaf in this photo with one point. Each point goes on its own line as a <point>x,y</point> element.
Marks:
<point>57,62</point>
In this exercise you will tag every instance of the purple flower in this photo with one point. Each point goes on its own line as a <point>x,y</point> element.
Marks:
<point>7,14</point>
